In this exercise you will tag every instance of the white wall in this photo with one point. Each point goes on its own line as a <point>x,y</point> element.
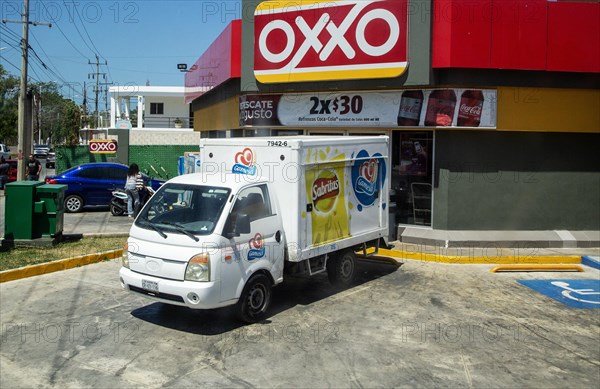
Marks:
<point>174,106</point>
<point>169,137</point>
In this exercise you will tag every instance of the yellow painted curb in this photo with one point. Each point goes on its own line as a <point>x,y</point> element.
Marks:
<point>486,260</point>
<point>546,268</point>
<point>63,264</point>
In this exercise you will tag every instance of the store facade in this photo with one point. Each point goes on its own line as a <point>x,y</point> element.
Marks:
<point>483,135</point>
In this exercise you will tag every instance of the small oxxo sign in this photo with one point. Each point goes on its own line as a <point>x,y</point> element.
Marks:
<point>103,146</point>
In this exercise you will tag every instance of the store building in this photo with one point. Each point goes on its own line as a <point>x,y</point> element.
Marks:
<point>492,107</point>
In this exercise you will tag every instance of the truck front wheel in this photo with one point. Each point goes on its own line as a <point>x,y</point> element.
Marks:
<point>341,268</point>
<point>255,299</point>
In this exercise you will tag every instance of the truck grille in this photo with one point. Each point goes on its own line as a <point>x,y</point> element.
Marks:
<point>164,296</point>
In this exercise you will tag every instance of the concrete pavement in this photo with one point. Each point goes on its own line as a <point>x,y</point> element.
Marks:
<point>418,325</point>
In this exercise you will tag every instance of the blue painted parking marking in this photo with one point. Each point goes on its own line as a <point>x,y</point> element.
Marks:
<point>591,261</point>
<point>573,293</point>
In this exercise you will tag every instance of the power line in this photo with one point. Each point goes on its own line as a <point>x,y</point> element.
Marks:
<point>44,51</point>
<point>77,28</point>
<point>64,35</point>
<point>11,33</point>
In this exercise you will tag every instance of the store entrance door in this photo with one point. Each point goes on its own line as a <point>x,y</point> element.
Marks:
<point>412,177</point>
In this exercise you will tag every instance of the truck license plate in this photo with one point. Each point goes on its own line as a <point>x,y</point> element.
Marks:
<point>150,285</point>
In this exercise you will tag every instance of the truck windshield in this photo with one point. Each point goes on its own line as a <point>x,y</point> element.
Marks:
<point>184,209</point>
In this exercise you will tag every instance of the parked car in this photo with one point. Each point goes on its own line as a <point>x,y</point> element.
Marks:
<point>93,183</point>
<point>41,151</point>
<point>51,160</point>
<point>4,151</point>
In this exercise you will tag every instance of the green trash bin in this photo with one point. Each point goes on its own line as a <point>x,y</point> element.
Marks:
<point>50,219</point>
<point>20,210</point>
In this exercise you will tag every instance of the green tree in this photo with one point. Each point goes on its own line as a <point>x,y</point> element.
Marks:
<point>9,106</point>
<point>55,116</point>
<point>69,124</point>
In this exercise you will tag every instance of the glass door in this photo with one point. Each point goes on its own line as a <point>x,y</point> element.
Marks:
<point>412,177</point>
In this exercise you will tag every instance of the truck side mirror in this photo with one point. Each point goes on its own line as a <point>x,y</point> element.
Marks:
<point>237,225</point>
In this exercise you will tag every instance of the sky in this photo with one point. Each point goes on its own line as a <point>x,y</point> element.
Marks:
<point>137,42</point>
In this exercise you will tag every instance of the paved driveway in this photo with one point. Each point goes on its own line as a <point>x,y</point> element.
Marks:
<point>423,324</point>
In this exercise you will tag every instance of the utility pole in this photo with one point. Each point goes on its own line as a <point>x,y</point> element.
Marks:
<point>97,77</point>
<point>105,89</point>
<point>24,119</point>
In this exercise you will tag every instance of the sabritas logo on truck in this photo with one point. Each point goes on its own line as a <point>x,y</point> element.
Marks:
<point>325,190</point>
<point>257,249</point>
<point>245,162</point>
<point>317,40</point>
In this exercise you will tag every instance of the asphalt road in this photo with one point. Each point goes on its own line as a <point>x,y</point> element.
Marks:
<point>420,325</point>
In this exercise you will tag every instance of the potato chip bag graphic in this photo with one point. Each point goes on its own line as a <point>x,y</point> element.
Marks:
<point>325,189</point>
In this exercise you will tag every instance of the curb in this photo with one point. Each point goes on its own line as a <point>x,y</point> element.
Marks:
<point>64,264</point>
<point>54,266</point>
<point>482,260</point>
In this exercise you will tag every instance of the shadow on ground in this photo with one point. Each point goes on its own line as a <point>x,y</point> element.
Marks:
<point>292,292</point>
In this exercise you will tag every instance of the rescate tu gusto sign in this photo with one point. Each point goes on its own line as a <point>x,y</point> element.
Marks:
<point>320,40</point>
<point>103,146</point>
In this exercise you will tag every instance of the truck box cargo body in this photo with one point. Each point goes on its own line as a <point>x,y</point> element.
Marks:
<point>258,208</point>
<point>333,191</point>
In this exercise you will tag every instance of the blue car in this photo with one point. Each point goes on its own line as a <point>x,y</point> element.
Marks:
<point>93,183</point>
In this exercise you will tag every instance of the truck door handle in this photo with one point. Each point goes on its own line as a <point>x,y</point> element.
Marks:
<point>278,236</point>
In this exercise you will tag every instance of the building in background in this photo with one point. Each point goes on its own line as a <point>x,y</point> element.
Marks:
<point>158,107</point>
<point>491,106</point>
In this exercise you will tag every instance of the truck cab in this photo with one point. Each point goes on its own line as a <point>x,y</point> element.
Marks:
<point>198,242</point>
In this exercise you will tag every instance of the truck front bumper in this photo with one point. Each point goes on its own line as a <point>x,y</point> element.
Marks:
<point>195,295</point>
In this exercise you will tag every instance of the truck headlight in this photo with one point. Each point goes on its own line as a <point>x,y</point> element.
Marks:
<point>125,256</point>
<point>198,268</point>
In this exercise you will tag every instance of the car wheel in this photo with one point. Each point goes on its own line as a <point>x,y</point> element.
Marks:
<point>73,203</point>
<point>255,299</point>
<point>341,268</point>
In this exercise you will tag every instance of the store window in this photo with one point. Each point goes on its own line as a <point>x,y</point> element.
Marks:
<point>412,176</point>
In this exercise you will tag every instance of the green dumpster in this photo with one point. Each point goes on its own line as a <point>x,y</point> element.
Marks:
<point>50,219</point>
<point>21,205</point>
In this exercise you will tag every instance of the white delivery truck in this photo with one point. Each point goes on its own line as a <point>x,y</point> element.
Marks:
<point>260,208</point>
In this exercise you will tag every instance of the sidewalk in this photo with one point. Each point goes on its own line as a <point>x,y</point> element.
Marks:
<point>562,239</point>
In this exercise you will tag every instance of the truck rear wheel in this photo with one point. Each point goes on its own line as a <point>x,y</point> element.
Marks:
<point>255,299</point>
<point>341,268</point>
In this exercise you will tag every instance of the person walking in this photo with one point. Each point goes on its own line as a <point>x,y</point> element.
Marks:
<point>34,168</point>
<point>4,167</point>
<point>132,188</point>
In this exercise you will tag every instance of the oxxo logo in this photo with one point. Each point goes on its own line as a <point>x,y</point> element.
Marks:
<point>368,174</point>
<point>257,247</point>
<point>325,190</point>
<point>329,40</point>
<point>103,146</point>
<point>245,162</point>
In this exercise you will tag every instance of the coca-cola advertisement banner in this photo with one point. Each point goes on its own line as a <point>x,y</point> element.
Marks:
<point>409,108</point>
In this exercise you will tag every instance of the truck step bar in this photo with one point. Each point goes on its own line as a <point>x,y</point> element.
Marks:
<point>370,248</point>
<point>317,265</point>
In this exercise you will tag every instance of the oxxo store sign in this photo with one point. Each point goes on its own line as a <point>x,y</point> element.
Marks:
<point>329,40</point>
<point>103,146</point>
